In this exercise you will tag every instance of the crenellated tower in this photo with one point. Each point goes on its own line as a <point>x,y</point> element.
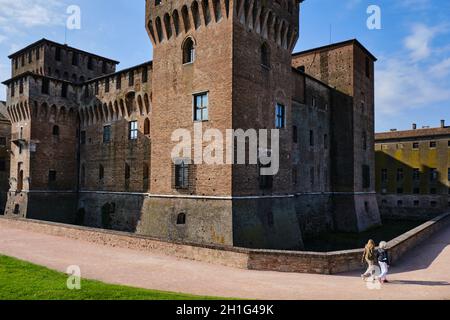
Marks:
<point>225,65</point>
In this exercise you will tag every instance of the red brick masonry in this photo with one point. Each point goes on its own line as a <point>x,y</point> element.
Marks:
<point>270,260</point>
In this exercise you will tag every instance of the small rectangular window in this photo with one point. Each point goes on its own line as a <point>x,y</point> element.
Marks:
<point>30,57</point>
<point>22,60</point>
<point>52,176</point>
<point>107,85</point>
<point>294,134</point>
<point>64,90</point>
<point>38,53</point>
<point>106,134</point>
<point>2,141</point>
<point>201,107</point>
<point>325,141</point>
<point>131,78</point>
<point>118,82</point>
<point>384,175</point>
<point>311,138</point>
<point>182,175</point>
<point>416,145</point>
<point>83,137</point>
<point>366,176</point>
<point>280,116</point>
<point>133,130</point>
<point>90,63</point>
<point>16,63</point>
<point>58,54</point>
<point>144,74</point>
<point>368,67</point>
<point>96,88</point>
<point>400,174</point>
<point>13,89</point>
<point>74,58</point>
<point>45,86</point>
<point>21,86</point>
<point>433,144</point>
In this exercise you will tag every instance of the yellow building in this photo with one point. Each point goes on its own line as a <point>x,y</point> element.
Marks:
<point>413,172</point>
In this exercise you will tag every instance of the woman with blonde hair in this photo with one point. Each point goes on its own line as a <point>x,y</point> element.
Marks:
<point>383,261</point>
<point>369,257</point>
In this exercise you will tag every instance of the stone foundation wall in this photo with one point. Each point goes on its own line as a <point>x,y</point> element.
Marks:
<point>282,261</point>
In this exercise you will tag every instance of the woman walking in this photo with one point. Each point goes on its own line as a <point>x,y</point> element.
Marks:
<point>383,261</point>
<point>369,257</point>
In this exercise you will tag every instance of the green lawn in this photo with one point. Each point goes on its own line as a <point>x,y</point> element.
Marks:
<point>21,280</point>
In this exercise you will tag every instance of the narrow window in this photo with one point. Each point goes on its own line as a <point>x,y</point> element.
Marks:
<point>21,86</point>
<point>58,54</point>
<point>133,130</point>
<point>104,69</point>
<point>201,107</point>
<point>55,131</point>
<point>311,138</point>
<point>188,51</point>
<point>118,82</point>
<point>181,219</point>
<point>45,86</point>
<point>265,55</point>
<point>30,57</point>
<point>366,176</point>
<point>107,85</point>
<point>131,78</point>
<point>101,172</point>
<point>415,145</point>
<point>433,144</point>
<point>2,165</point>
<point>13,89</point>
<point>265,181</point>
<point>294,134</point>
<point>325,141</point>
<point>144,74</point>
<point>127,171</point>
<point>83,137</point>
<point>96,88</point>
<point>90,63</point>
<point>2,141</point>
<point>106,134</point>
<point>22,60</point>
<point>52,176</point>
<point>147,126</point>
<point>64,90</point>
<point>74,58</point>
<point>145,177</point>
<point>38,53</point>
<point>181,175</point>
<point>280,116</point>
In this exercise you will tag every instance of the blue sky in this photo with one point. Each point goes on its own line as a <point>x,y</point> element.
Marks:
<point>413,46</point>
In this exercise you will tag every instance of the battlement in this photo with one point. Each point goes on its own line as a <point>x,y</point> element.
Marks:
<point>275,20</point>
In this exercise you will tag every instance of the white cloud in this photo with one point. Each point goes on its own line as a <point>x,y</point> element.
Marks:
<point>418,43</point>
<point>16,16</point>
<point>441,69</point>
<point>404,84</point>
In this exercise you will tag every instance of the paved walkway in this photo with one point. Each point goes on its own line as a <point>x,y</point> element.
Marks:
<point>422,274</point>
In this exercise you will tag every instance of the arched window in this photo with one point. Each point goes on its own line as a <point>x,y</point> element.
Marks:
<point>55,130</point>
<point>265,55</point>
<point>147,126</point>
<point>188,51</point>
<point>181,219</point>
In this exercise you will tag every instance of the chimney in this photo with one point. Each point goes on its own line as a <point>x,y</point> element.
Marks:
<point>442,123</point>
<point>414,126</point>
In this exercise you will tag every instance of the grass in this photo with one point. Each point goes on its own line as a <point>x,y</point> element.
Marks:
<point>346,241</point>
<point>21,280</point>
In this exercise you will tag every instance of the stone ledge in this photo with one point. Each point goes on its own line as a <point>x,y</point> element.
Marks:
<point>268,260</point>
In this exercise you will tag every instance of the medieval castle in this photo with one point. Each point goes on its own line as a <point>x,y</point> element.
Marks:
<point>92,146</point>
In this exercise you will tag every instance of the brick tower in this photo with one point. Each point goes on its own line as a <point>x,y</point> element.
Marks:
<point>232,58</point>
